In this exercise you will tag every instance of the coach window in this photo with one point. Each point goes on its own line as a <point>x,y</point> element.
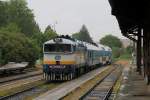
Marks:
<point>90,54</point>
<point>73,48</point>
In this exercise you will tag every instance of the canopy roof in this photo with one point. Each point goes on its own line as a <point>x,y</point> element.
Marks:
<point>131,13</point>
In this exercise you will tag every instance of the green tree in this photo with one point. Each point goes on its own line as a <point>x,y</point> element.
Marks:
<point>11,27</point>
<point>76,35</point>
<point>19,33</point>
<point>111,41</point>
<point>17,11</point>
<point>129,49</point>
<point>114,43</point>
<point>49,33</point>
<point>16,47</point>
<point>23,16</point>
<point>83,35</point>
<point>3,13</point>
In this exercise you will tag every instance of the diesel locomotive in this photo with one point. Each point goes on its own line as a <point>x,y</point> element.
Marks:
<point>65,58</point>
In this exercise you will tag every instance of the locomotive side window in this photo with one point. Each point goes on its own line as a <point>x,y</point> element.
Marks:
<point>57,48</point>
<point>74,48</point>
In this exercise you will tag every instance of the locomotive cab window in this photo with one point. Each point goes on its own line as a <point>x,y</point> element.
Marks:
<point>57,48</point>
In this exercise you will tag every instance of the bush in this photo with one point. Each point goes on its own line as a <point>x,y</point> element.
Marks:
<point>116,52</point>
<point>16,47</point>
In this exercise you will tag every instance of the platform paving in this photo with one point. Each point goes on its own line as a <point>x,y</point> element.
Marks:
<point>133,86</point>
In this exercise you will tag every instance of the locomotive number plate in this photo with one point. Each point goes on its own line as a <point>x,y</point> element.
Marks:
<point>57,66</point>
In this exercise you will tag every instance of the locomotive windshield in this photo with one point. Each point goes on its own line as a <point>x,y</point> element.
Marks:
<point>57,48</point>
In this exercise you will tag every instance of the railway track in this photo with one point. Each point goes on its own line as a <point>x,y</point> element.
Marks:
<point>104,88</point>
<point>78,87</point>
<point>18,86</point>
<point>98,88</point>
<point>29,91</point>
<point>8,97</point>
<point>105,78</point>
<point>19,77</point>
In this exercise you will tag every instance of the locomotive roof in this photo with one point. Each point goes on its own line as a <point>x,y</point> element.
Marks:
<point>76,42</point>
<point>62,41</point>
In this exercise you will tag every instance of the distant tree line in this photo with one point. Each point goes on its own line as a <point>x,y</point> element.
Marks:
<point>117,46</point>
<point>20,36</point>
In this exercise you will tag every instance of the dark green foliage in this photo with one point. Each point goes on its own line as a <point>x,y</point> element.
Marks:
<point>11,27</point>
<point>49,33</point>
<point>111,41</point>
<point>76,35</point>
<point>129,49</point>
<point>127,53</point>
<point>17,26</point>
<point>117,52</point>
<point>16,11</point>
<point>20,36</point>
<point>83,35</point>
<point>16,47</point>
<point>3,13</point>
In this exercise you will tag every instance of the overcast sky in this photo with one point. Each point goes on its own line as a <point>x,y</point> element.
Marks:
<point>69,15</point>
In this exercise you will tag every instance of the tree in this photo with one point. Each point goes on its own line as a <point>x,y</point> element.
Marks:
<point>17,11</point>
<point>3,13</point>
<point>83,35</point>
<point>111,41</point>
<point>11,27</point>
<point>114,43</point>
<point>19,33</point>
<point>76,35</point>
<point>129,49</point>
<point>49,33</point>
<point>17,47</point>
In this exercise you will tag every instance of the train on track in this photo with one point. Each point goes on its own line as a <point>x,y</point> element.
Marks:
<point>65,58</point>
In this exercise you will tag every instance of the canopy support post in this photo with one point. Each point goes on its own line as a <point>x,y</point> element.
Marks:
<point>139,51</point>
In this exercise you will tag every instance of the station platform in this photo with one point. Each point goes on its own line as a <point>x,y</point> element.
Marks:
<point>133,86</point>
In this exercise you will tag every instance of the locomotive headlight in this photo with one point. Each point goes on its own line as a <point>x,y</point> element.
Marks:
<point>64,66</point>
<point>50,66</point>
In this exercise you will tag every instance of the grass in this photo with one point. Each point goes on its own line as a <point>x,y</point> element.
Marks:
<point>123,57</point>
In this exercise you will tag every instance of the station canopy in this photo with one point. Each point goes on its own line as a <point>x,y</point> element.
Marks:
<point>131,14</point>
